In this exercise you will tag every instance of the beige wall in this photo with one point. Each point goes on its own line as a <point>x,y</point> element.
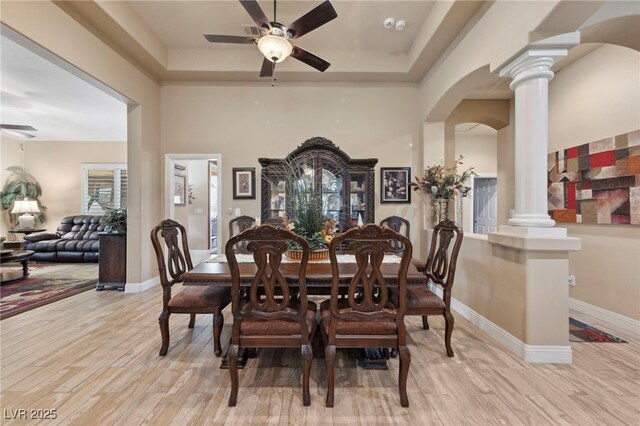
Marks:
<point>479,151</point>
<point>46,24</point>
<point>57,166</point>
<point>596,97</point>
<point>244,123</point>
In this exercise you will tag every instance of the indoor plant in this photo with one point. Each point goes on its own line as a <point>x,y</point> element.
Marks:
<point>115,221</point>
<point>443,183</point>
<point>19,185</point>
<point>304,209</point>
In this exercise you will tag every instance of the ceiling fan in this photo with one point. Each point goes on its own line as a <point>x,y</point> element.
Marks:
<point>17,130</point>
<point>275,39</point>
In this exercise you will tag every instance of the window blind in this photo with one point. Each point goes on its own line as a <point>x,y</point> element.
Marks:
<point>104,186</point>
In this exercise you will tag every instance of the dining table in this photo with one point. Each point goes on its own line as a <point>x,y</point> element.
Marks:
<point>215,272</point>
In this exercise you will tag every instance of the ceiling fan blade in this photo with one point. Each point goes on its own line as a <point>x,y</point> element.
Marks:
<point>18,127</point>
<point>253,9</point>
<point>267,68</point>
<point>309,59</point>
<point>229,39</point>
<point>312,20</point>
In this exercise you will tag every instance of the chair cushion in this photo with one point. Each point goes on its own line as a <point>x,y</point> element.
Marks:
<point>420,300</point>
<point>258,327</point>
<point>380,327</point>
<point>201,297</point>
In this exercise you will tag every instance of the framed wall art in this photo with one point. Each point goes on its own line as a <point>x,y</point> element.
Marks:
<point>394,183</point>
<point>244,183</point>
<point>179,189</point>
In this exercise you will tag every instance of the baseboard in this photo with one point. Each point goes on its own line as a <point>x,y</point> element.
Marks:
<point>627,324</point>
<point>556,354</point>
<point>143,286</point>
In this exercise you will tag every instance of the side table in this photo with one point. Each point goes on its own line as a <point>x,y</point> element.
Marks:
<point>112,270</point>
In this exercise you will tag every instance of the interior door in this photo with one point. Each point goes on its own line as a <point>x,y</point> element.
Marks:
<point>485,205</point>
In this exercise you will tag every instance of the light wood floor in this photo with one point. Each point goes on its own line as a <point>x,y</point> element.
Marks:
<point>94,359</point>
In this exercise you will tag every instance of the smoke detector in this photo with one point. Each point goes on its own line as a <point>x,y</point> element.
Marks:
<point>401,25</point>
<point>388,23</point>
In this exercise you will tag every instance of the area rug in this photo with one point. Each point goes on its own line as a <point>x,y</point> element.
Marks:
<point>581,332</point>
<point>46,284</point>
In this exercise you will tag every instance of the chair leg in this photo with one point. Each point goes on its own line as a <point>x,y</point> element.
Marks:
<point>405,361</point>
<point>232,358</point>
<point>307,355</point>
<point>425,322</point>
<point>192,321</point>
<point>448,330</point>
<point>218,322</point>
<point>329,358</point>
<point>164,332</point>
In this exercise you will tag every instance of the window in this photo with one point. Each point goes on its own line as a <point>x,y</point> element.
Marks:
<point>103,186</point>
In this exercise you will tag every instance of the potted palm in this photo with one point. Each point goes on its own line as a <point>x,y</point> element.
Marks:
<point>20,185</point>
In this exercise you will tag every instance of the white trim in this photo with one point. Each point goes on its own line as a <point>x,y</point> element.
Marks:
<point>560,354</point>
<point>629,325</point>
<point>143,286</point>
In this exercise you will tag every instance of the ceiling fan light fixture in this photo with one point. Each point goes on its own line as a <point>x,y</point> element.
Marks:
<point>275,48</point>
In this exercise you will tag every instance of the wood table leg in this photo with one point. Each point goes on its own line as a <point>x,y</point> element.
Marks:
<point>242,358</point>
<point>372,359</point>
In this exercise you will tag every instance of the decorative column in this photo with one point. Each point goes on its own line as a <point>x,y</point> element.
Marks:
<point>531,73</point>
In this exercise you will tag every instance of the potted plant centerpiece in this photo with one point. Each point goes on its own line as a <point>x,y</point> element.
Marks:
<point>304,211</point>
<point>443,184</point>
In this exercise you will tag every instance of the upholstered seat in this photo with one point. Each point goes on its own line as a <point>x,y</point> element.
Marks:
<point>255,326</point>
<point>378,327</point>
<point>420,301</point>
<point>200,297</point>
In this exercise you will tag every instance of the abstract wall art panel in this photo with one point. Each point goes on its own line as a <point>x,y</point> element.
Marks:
<point>598,182</point>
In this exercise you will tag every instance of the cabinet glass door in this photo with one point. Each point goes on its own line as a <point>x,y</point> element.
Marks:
<point>332,200</point>
<point>357,198</point>
<point>277,197</point>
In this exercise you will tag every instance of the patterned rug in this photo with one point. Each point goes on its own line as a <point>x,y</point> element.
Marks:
<point>46,283</point>
<point>581,332</point>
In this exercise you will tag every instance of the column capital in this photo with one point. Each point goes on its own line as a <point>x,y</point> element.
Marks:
<point>536,62</point>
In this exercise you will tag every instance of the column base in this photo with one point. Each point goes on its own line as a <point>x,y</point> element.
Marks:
<point>534,239</point>
<point>532,220</point>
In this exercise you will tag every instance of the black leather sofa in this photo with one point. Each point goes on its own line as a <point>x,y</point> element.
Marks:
<point>76,240</point>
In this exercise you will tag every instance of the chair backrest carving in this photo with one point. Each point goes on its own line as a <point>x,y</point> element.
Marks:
<point>178,259</point>
<point>401,226</point>
<point>368,294</point>
<point>270,295</point>
<point>236,226</point>
<point>441,262</point>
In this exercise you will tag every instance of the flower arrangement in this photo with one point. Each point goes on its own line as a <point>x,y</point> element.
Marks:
<point>317,239</point>
<point>444,182</point>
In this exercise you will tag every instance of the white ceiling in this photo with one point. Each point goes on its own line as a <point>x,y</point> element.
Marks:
<point>61,106</point>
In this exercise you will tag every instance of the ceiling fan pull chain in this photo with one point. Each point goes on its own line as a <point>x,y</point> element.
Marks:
<point>273,73</point>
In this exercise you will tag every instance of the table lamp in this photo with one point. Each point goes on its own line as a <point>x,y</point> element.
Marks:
<point>26,207</point>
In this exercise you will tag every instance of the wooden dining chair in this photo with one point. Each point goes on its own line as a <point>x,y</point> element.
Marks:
<point>272,315</point>
<point>401,226</point>
<point>366,318</point>
<point>239,224</point>
<point>440,268</point>
<point>190,300</point>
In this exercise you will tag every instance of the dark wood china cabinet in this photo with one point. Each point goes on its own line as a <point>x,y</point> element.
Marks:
<point>347,184</point>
